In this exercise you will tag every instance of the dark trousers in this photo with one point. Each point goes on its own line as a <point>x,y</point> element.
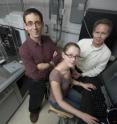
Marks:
<point>37,90</point>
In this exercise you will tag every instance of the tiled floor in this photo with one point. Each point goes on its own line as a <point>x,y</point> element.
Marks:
<point>22,115</point>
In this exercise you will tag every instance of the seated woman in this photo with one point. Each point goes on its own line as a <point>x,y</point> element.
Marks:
<point>62,96</point>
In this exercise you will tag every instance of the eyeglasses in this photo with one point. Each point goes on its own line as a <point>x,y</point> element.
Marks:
<point>36,23</point>
<point>71,56</point>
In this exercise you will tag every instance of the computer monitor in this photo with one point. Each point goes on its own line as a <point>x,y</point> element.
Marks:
<point>10,41</point>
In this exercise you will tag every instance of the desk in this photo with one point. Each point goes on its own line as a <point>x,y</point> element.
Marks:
<point>10,95</point>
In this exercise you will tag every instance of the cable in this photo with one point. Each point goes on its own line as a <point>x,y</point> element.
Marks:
<point>59,19</point>
<point>87,28</point>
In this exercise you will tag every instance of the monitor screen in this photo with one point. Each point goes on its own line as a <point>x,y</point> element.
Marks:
<point>10,40</point>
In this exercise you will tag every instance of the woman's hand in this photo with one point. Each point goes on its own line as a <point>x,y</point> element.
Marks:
<point>88,86</point>
<point>89,119</point>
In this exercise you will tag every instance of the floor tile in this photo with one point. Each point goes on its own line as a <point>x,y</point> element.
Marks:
<point>22,115</point>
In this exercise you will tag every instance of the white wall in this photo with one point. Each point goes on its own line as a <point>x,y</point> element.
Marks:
<point>7,6</point>
<point>9,1</point>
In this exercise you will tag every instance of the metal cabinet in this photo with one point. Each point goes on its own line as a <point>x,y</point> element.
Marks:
<point>10,99</point>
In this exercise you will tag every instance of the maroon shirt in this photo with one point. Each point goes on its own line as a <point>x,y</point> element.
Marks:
<point>33,53</point>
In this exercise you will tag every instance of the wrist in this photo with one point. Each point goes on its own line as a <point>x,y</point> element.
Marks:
<point>81,84</point>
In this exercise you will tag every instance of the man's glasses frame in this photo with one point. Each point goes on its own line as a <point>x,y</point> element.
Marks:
<point>36,23</point>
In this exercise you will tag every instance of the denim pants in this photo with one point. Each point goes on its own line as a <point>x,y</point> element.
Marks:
<point>73,98</point>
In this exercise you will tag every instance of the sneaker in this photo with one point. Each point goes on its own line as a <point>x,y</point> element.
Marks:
<point>34,117</point>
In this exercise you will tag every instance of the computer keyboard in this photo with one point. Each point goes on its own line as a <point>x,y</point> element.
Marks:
<point>100,106</point>
<point>12,66</point>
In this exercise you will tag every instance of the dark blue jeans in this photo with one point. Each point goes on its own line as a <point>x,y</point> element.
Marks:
<point>73,98</point>
<point>37,90</point>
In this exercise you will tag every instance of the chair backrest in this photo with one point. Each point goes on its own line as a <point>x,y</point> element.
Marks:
<point>59,112</point>
<point>109,76</point>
